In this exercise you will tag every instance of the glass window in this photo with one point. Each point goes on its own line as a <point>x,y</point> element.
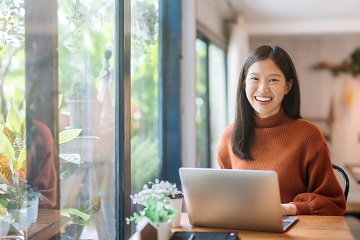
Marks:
<point>210,100</point>
<point>145,164</point>
<point>58,117</point>
<point>86,80</point>
<point>201,103</point>
<point>217,98</point>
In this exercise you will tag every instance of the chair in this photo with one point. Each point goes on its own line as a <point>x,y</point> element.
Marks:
<point>345,177</point>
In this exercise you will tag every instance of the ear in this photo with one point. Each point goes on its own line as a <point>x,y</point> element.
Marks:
<point>289,86</point>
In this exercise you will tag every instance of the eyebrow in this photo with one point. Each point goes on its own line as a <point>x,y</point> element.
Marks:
<point>270,75</point>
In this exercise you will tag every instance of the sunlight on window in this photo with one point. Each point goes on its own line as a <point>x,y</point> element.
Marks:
<point>144,92</point>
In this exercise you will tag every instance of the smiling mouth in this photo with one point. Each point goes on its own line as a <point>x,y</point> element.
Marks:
<point>263,99</point>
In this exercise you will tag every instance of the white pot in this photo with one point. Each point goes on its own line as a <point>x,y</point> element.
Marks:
<point>20,216</point>
<point>164,231</point>
<point>176,203</point>
<point>33,207</point>
<point>4,228</point>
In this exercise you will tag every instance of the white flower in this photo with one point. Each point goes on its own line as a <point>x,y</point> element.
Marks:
<point>160,191</point>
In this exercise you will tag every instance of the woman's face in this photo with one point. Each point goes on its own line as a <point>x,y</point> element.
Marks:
<point>265,87</point>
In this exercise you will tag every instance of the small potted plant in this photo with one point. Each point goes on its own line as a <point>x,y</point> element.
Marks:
<point>156,199</point>
<point>33,197</point>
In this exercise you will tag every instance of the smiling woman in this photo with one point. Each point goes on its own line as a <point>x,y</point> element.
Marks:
<point>269,134</point>
<point>266,87</point>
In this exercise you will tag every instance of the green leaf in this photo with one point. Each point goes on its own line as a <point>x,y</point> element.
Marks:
<point>68,135</point>
<point>60,100</point>
<point>76,212</point>
<point>68,169</point>
<point>82,222</point>
<point>6,149</point>
<point>13,119</point>
<point>21,159</point>
<point>91,206</point>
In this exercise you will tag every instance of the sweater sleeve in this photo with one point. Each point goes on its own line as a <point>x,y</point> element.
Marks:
<point>324,195</point>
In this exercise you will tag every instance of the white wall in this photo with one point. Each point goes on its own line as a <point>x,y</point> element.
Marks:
<point>210,22</point>
<point>319,87</point>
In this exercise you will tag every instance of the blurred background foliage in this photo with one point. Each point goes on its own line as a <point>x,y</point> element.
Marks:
<point>12,59</point>
<point>84,35</point>
<point>145,164</point>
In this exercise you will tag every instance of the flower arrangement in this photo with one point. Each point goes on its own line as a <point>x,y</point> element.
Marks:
<point>154,197</point>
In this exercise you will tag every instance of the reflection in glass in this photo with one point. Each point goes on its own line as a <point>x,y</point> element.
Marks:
<point>86,81</point>
<point>86,107</point>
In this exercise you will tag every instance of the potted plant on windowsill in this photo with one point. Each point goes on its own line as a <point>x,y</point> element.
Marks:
<point>15,193</point>
<point>156,199</point>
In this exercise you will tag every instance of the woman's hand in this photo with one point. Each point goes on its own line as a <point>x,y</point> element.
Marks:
<point>288,209</point>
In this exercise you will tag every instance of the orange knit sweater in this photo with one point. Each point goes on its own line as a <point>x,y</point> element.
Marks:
<point>298,152</point>
<point>41,171</point>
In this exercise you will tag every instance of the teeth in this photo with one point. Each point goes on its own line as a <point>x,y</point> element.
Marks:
<point>263,99</point>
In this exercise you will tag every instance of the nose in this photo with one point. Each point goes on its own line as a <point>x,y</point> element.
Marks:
<point>263,87</point>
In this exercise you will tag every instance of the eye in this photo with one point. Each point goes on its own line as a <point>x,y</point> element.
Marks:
<point>253,78</point>
<point>273,80</point>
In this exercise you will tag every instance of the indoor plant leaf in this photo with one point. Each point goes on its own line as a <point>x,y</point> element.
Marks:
<point>5,177</point>
<point>68,135</point>
<point>21,159</point>
<point>13,119</point>
<point>6,149</point>
<point>91,206</point>
<point>67,169</point>
<point>82,222</point>
<point>60,100</point>
<point>76,212</point>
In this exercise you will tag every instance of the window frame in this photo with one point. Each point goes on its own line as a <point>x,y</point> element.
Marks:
<point>122,118</point>
<point>210,41</point>
<point>169,90</point>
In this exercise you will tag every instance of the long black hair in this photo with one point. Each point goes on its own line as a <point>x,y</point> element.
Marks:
<point>243,130</point>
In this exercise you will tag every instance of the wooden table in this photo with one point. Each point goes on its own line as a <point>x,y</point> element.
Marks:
<point>48,224</point>
<point>307,227</point>
<point>354,169</point>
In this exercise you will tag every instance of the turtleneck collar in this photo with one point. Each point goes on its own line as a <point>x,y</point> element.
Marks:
<point>277,119</point>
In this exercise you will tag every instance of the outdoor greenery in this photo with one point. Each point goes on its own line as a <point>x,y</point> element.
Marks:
<point>201,99</point>
<point>144,92</point>
<point>85,33</point>
<point>12,67</point>
<point>84,36</point>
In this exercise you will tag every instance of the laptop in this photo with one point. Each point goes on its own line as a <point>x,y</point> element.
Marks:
<point>233,199</point>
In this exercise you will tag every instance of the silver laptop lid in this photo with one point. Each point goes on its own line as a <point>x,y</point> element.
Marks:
<point>233,199</point>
